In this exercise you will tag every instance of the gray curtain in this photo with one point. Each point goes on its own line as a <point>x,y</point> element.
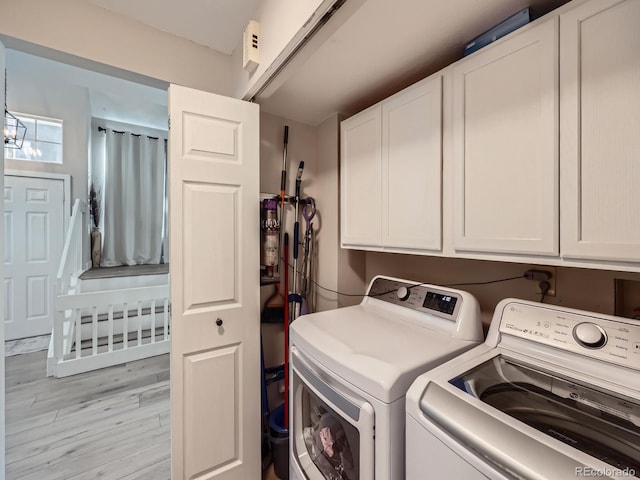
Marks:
<point>135,170</point>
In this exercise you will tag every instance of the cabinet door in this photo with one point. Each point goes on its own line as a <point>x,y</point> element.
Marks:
<point>411,167</point>
<point>600,143</point>
<point>505,145</point>
<point>360,189</point>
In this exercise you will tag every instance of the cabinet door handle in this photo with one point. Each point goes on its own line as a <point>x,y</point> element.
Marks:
<point>219,322</point>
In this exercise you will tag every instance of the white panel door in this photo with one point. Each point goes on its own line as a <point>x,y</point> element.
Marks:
<point>34,235</point>
<point>505,145</point>
<point>360,179</point>
<point>600,143</point>
<point>215,270</point>
<point>412,167</point>
<point>2,299</point>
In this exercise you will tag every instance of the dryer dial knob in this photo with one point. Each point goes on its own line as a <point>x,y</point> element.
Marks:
<point>403,293</point>
<point>590,335</point>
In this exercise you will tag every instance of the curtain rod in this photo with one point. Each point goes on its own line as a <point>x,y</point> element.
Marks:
<point>122,132</point>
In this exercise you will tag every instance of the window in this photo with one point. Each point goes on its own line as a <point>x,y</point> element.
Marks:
<point>42,142</point>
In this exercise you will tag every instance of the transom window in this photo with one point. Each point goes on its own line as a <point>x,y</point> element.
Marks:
<point>42,142</point>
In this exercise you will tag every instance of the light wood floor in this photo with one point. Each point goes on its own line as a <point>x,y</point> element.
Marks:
<point>109,424</point>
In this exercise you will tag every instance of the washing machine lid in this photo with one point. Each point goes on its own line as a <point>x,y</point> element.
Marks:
<point>379,351</point>
<point>600,423</point>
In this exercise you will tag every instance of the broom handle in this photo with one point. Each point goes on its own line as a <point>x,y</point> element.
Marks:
<point>283,186</point>
<point>286,331</point>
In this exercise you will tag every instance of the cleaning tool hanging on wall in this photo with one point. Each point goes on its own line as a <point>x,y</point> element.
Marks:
<point>295,299</point>
<point>283,187</point>
<point>283,175</point>
<point>270,238</point>
<point>286,332</point>
<point>308,212</point>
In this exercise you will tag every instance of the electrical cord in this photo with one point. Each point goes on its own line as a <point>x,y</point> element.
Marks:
<point>412,286</point>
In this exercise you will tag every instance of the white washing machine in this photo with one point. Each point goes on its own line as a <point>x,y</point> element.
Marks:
<point>553,393</point>
<point>351,368</point>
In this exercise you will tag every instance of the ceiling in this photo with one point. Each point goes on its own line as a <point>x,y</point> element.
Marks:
<point>383,47</point>
<point>368,50</point>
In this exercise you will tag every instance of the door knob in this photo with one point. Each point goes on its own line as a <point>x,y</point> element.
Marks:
<point>219,322</point>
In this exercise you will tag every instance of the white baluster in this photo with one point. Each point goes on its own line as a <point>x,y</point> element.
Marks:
<point>153,321</point>
<point>139,322</point>
<point>125,326</point>
<point>166,319</point>
<point>77,318</point>
<point>110,328</point>
<point>94,331</point>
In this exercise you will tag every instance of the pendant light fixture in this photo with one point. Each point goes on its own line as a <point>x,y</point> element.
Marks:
<point>14,130</point>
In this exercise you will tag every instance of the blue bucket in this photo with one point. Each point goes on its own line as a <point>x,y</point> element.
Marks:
<point>279,440</point>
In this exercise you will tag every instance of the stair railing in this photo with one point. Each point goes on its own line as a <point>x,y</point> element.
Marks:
<point>69,269</point>
<point>70,266</point>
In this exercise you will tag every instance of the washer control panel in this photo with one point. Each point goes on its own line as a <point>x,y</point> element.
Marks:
<point>608,338</point>
<point>437,301</point>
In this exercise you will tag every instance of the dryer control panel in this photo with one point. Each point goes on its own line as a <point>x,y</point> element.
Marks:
<point>438,301</point>
<point>612,339</point>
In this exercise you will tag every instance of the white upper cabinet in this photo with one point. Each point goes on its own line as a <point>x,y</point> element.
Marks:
<point>600,125</point>
<point>360,179</point>
<point>541,162</point>
<point>505,145</point>
<point>391,162</point>
<point>412,167</point>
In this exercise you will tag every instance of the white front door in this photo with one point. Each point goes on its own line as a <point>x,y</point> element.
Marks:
<point>214,279</point>
<point>34,230</point>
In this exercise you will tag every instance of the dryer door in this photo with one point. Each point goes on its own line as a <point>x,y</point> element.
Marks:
<point>332,428</point>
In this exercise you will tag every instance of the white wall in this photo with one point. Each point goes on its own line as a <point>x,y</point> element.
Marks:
<point>337,269</point>
<point>84,30</point>
<point>35,94</point>
<point>31,93</point>
<point>326,190</point>
<point>586,289</point>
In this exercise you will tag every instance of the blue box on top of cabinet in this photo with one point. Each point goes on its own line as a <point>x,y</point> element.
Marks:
<point>503,28</point>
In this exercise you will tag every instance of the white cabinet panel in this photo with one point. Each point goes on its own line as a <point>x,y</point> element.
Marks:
<point>360,179</point>
<point>391,172</point>
<point>505,145</point>
<point>412,167</point>
<point>600,144</point>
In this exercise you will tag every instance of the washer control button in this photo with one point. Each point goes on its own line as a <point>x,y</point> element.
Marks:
<point>590,335</point>
<point>403,293</point>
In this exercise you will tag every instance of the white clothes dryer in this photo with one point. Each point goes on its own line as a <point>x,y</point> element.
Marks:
<point>351,368</point>
<point>553,393</point>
